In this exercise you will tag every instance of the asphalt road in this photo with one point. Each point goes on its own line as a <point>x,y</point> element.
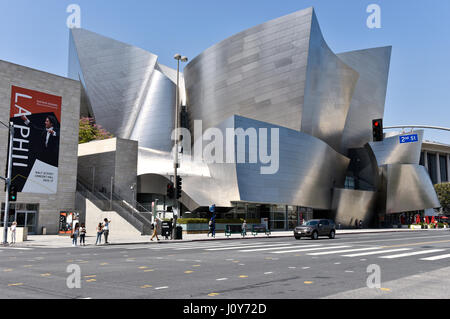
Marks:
<point>411,265</point>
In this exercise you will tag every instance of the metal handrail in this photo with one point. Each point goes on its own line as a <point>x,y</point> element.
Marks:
<point>101,201</point>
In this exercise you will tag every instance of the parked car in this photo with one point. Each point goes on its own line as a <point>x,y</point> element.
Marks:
<point>315,228</point>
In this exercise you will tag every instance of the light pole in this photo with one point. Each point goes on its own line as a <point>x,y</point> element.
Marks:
<point>179,58</point>
<point>8,182</point>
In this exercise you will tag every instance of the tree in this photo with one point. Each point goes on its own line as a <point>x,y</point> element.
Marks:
<point>89,131</point>
<point>443,192</point>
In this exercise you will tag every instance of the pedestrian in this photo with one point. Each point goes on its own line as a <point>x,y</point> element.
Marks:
<point>106,225</point>
<point>155,229</point>
<point>214,228</point>
<point>13,232</point>
<point>210,225</point>
<point>75,234</point>
<point>360,224</point>
<point>356,223</point>
<point>83,235</point>
<point>99,233</point>
<point>244,228</point>
<point>171,228</point>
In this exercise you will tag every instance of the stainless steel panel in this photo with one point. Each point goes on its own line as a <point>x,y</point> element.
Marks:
<point>330,84</point>
<point>409,188</point>
<point>369,96</point>
<point>258,73</point>
<point>391,151</point>
<point>130,95</point>
<point>353,205</point>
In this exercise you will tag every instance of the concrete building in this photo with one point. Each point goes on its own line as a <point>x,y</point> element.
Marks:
<point>38,211</point>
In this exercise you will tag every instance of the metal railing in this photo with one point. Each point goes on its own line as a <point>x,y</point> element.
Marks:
<point>113,202</point>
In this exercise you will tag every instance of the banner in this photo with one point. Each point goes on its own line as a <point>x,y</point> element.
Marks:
<point>36,117</point>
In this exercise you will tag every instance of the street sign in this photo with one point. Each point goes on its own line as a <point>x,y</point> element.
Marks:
<point>409,138</point>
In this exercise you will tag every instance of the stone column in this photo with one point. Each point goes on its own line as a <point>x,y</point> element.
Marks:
<point>438,168</point>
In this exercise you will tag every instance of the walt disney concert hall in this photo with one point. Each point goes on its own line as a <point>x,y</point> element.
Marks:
<point>278,75</point>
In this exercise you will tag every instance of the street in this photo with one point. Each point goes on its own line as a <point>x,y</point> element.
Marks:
<point>411,264</point>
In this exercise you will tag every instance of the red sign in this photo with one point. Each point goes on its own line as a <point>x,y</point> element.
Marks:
<point>36,117</point>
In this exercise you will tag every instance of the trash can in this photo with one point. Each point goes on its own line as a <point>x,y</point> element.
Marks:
<point>179,233</point>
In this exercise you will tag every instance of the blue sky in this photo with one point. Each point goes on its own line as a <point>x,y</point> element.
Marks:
<point>34,33</point>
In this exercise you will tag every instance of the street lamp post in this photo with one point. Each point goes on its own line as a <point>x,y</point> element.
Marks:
<point>179,58</point>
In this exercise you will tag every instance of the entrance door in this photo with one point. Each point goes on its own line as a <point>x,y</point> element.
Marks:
<point>27,219</point>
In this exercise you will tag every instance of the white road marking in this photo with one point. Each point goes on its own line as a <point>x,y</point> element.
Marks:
<point>307,249</point>
<point>268,273</point>
<point>238,247</point>
<point>422,252</point>
<point>376,252</point>
<point>272,248</point>
<point>221,279</point>
<point>436,257</point>
<point>165,287</point>
<point>342,251</point>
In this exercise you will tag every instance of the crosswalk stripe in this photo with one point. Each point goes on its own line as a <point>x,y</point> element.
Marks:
<point>252,246</point>
<point>377,252</point>
<point>272,248</point>
<point>306,249</point>
<point>422,252</point>
<point>439,257</point>
<point>218,246</point>
<point>342,251</point>
<point>18,248</point>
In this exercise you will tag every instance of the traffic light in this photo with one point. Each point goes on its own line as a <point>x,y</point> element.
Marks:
<point>377,128</point>
<point>179,184</point>
<point>12,193</point>
<point>170,190</point>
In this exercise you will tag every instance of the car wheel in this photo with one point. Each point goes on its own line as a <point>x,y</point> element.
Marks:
<point>314,235</point>
<point>297,237</point>
<point>332,234</point>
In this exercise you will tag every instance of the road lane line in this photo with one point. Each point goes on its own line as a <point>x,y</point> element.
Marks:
<point>422,252</point>
<point>342,251</point>
<point>377,252</point>
<point>439,257</point>
<point>228,245</point>
<point>272,248</point>
<point>238,247</point>
<point>158,288</point>
<point>307,249</point>
<point>221,279</point>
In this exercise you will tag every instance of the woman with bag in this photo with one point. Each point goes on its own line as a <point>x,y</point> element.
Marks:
<point>75,234</point>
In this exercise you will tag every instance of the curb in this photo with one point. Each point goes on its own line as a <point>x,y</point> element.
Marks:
<point>163,242</point>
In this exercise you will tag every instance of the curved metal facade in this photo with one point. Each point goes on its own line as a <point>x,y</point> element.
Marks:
<point>280,74</point>
<point>409,188</point>
<point>129,93</point>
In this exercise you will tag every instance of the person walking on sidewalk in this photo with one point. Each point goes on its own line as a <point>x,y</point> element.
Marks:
<point>244,228</point>
<point>99,234</point>
<point>210,226</point>
<point>76,233</point>
<point>155,229</point>
<point>106,229</point>
<point>13,232</point>
<point>83,235</point>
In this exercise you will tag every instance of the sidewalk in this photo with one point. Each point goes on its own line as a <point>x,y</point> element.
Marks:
<point>55,241</point>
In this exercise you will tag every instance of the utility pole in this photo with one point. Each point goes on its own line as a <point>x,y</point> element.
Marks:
<point>177,57</point>
<point>8,183</point>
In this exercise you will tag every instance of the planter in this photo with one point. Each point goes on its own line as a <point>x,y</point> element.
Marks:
<point>415,227</point>
<point>204,228</point>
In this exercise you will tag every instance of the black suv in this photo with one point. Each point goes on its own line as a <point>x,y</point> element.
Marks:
<point>315,228</point>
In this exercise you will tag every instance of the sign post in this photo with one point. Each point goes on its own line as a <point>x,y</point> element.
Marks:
<point>8,184</point>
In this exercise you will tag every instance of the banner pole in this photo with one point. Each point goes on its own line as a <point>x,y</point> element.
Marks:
<point>8,184</point>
